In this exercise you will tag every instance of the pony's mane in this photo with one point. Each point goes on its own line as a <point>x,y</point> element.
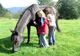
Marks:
<point>32,9</point>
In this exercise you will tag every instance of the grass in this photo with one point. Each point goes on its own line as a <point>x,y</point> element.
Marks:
<point>67,42</point>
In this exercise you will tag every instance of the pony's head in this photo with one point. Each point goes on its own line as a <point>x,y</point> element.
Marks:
<point>51,10</point>
<point>16,39</point>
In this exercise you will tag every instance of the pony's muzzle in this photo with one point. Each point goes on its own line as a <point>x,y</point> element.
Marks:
<point>15,48</point>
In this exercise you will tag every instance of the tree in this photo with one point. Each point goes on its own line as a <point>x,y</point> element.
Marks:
<point>2,11</point>
<point>78,7</point>
<point>44,2</point>
<point>68,8</point>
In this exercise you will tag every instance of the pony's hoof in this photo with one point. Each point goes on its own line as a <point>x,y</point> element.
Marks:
<point>13,51</point>
<point>27,43</point>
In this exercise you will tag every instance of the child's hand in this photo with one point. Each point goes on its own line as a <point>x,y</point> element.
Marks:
<point>35,23</point>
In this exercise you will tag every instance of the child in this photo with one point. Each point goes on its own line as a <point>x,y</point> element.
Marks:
<point>52,25</point>
<point>42,29</point>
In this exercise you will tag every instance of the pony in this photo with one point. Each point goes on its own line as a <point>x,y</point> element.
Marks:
<point>26,19</point>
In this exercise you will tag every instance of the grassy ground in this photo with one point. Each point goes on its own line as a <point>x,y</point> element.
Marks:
<point>67,42</point>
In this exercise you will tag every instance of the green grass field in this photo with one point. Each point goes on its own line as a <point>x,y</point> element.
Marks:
<point>67,42</point>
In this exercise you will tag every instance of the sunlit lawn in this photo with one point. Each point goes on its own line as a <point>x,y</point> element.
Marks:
<point>67,42</point>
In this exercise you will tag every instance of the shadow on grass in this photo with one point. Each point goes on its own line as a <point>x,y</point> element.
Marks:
<point>6,45</point>
<point>30,44</point>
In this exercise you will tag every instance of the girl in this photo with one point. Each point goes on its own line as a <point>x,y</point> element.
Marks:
<point>52,25</point>
<point>42,28</point>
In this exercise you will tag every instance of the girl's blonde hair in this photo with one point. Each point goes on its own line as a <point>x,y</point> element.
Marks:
<point>40,13</point>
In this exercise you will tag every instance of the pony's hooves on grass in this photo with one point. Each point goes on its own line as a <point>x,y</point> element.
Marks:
<point>27,42</point>
<point>14,51</point>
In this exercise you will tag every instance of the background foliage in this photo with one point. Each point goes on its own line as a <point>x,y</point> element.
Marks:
<point>44,2</point>
<point>2,10</point>
<point>69,9</point>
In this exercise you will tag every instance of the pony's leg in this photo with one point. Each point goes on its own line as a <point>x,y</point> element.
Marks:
<point>28,29</point>
<point>57,26</point>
